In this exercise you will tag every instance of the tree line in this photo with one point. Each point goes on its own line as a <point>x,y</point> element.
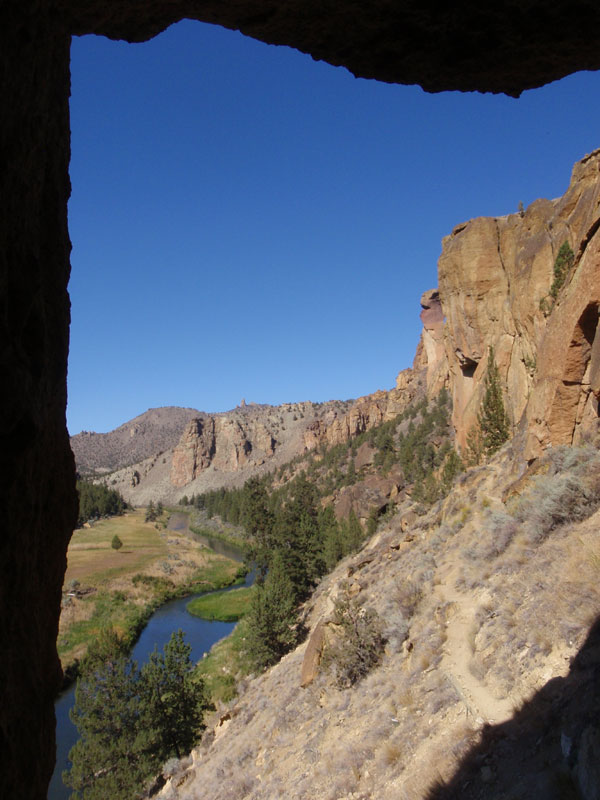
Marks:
<point>97,500</point>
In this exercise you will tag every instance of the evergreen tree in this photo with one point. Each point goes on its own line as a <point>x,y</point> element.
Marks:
<point>351,477</point>
<point>297,537</point>
<point>354,534</point>
<point>150,512</point>
<point>492,418</point>
<point>270,621</point>
<point>112,757</point>
<point>174,701</point>
<point>97,500</point>
<point>257,520</point>
<point>116,543</point>
<point>453,466</point>
<point>129,722</point>
<point>333,548</point>
<point>563,263</point>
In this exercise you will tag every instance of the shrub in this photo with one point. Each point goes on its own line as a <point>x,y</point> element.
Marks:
<point>116,543</point>
<point>359,644</point>
<point>562,265</point>
<point>569,494</point>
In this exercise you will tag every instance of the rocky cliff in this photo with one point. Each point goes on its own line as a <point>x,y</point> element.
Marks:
<point>495,276</point>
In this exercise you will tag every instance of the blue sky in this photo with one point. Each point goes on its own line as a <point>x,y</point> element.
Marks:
<point>249,223</point>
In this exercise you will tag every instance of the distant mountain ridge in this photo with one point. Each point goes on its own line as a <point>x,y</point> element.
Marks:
<point>154,431</point>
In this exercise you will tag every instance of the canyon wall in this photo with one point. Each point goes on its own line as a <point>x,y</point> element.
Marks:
<point>226,443</point>
<point>494,277</point>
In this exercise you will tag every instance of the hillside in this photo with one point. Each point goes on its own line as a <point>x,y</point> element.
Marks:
<point>156,430</point>
<point>488,670</point>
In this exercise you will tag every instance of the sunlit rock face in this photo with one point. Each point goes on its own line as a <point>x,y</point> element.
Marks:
<point>495,276</point>
<point>459,47</point>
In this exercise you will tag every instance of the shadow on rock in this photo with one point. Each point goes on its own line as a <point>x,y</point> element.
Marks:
<point>550,749</point>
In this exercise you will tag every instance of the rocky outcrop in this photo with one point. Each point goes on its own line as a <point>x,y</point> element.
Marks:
<point>564,403</point>
<point>494,274</point>
<point>437,47</point>
<point>374,493</point>
<point>225,443</point>
<point>431,354</point>
<point>366,412</point>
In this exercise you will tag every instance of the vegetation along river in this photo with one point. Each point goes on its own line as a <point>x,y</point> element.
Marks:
<point>199,633</point>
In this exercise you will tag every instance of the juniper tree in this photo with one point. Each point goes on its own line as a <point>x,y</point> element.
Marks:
<point>492,418</point>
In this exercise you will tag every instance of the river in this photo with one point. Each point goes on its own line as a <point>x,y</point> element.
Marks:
<point>201,634</point>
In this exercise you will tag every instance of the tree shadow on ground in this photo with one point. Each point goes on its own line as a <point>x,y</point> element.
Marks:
<point>548,750</point>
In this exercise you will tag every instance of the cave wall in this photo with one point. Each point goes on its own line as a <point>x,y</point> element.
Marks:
<point>508,48</point>
<point>38,504</point>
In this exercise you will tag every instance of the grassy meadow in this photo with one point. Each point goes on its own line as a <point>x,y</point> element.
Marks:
<point>92,560</point>
<point>121,588</point>
<point>229,606</point>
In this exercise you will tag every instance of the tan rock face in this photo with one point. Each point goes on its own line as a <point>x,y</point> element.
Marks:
<point>493,273</point>
<point>366,413</point>
<point>222,442</point>
<point>431,353</point>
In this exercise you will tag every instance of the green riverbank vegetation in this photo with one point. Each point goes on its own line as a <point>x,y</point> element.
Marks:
<point>122,588</point>
<point>228,606</point>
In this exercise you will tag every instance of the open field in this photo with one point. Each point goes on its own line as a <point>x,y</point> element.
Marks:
<point>92,560</point>
<point>121,588</point>
<point>227,606</point>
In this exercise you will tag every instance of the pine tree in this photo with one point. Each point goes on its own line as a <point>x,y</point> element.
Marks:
<point>354,533</point>
<point>297,537</point>
<point>257,520</point>
<point>272,616</point>
<point>174,701</point>
<point>492,418</point>
<point>112,757</point>
<point>116,543</point>
<point>150,512</point>
<point>129,722</point>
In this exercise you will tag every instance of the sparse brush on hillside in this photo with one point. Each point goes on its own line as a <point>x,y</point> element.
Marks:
<point>569,492</point>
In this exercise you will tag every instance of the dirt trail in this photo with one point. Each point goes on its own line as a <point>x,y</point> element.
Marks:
<point>475,694</point>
